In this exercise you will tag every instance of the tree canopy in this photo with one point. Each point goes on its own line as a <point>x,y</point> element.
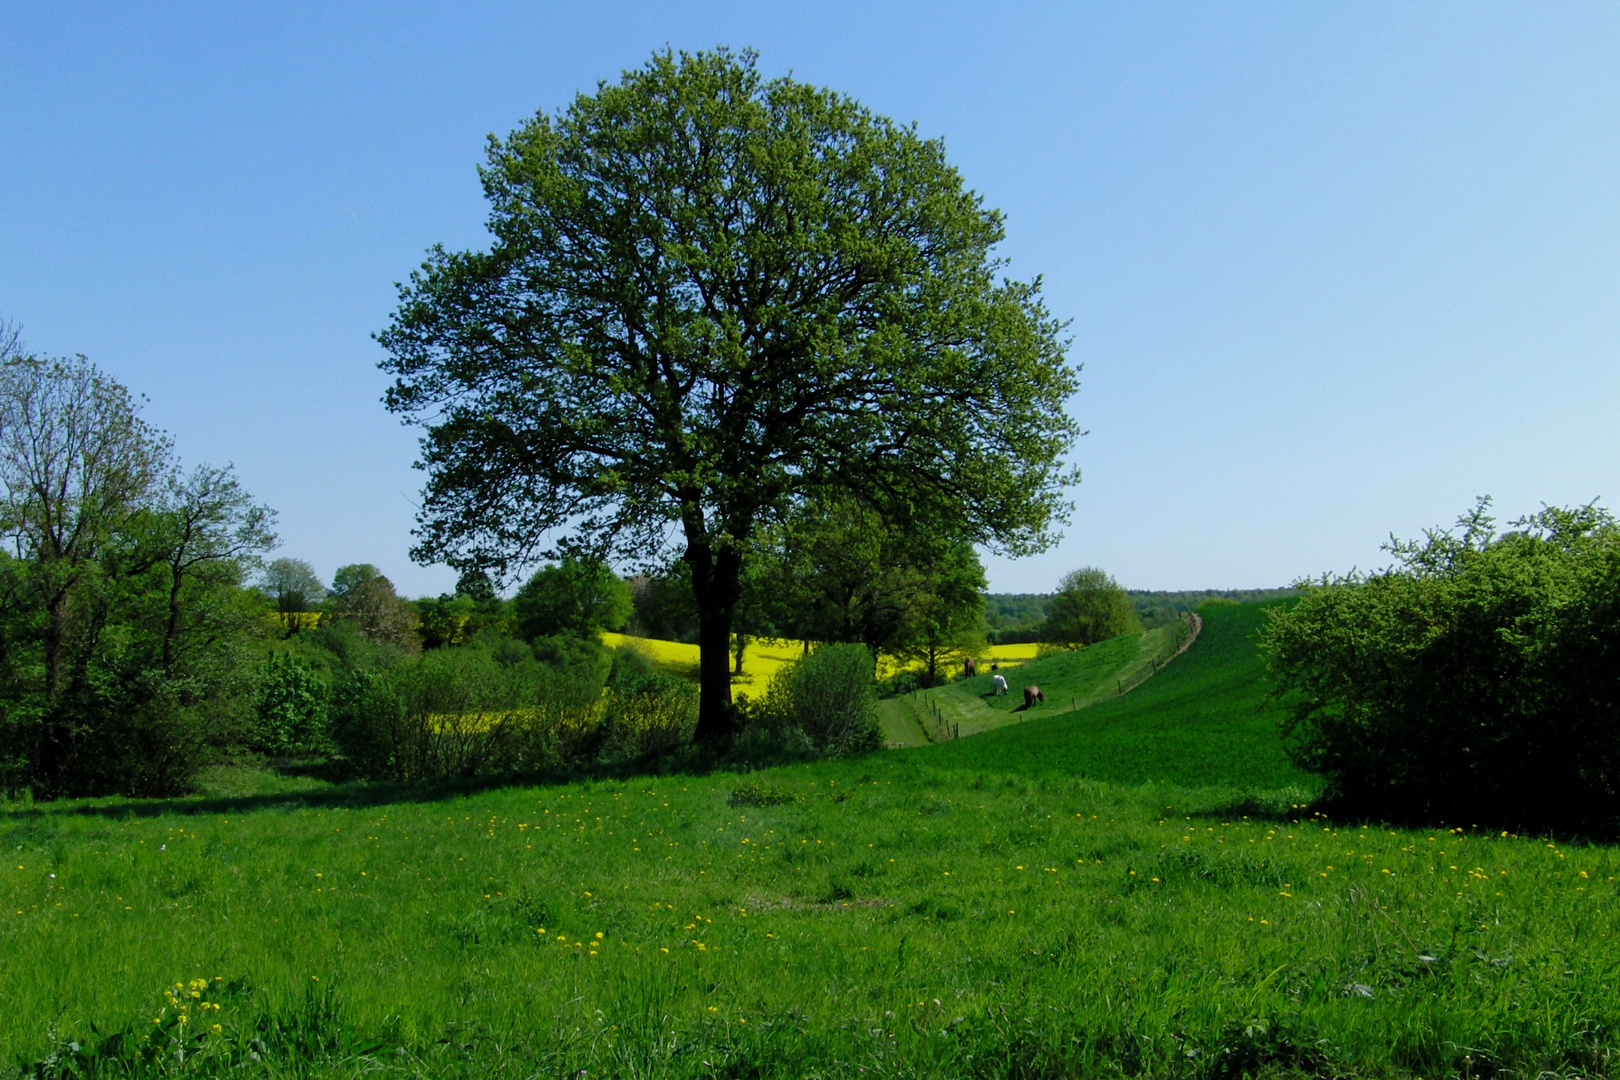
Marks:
<point>834,572</point>
<point>293,585</point>
<point>710,297</point>
<point>578,597</point>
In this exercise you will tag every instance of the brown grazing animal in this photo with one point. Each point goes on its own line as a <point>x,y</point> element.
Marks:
<point>1032,694</point>
<point>970,668</point>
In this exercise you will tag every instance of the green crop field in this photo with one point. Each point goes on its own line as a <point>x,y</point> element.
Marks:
<point>1204,719</point>
<point>1121,890</point>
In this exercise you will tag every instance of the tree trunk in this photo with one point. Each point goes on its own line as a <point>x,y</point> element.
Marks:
<point>715,577</point>
<point>171,630</point>
<point>52,751</point>
<point>56,618</point>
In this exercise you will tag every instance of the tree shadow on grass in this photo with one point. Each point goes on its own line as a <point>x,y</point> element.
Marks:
<point>349,792</point>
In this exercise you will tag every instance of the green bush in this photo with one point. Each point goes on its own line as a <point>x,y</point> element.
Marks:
<point>645,712</point>
<point>826,702</point>
<point>578,658</point>
<point>290,710</point>
<point>461,712</point>
<point>486,711</point>
<point>140,743</point>
<point>1476,680</point>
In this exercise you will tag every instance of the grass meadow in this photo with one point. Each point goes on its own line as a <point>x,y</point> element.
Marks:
<point>1063,897</point>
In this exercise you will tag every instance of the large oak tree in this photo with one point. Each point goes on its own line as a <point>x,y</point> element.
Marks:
<point>712,296</point>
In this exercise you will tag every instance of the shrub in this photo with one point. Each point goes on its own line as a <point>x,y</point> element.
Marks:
<point>645,712</point>
<point>1478,679</point>
<point>827,701</point>
<point>908,680</point>
<point>460,712</point>
<point>577,658</point>
<point>483,711</point>
<point>290,711</point>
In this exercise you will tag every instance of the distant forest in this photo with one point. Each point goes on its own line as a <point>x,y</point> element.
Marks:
<point>1010,618</point>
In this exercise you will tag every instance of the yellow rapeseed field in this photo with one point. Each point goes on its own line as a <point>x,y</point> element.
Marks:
<point>765,656</point>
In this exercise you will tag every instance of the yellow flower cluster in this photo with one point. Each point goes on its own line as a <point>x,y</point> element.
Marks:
<point>183,999</point>
<point>591,944</point>
<point>293,621</point>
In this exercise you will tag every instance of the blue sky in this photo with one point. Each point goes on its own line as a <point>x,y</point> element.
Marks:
<point>1333,269</point>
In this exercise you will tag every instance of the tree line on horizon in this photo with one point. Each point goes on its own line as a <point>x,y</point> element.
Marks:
<point>1021,618</point>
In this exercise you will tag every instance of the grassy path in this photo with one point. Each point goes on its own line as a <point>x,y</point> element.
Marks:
<point>1070,681</point>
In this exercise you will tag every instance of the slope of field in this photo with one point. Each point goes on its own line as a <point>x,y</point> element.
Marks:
<point>1205,718</point>
<point>874,917</point>
<point>1073,679</point>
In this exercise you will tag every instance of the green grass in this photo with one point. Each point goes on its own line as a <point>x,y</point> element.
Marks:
<point>905,914</point>
<point>1204,719</point>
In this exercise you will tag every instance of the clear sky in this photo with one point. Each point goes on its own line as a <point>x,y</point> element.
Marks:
<point>1333,269</point>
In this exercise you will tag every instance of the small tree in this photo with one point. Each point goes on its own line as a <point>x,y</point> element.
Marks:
<point>1089,606</point>
<point>293,585</point>
<point>347,579</point>
<point>381,613</point>
<point>211,531</point>
<point>944,619</point>
<point>836,571</point>
<point>578,597</point>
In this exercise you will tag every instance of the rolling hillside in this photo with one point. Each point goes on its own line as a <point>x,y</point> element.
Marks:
<point>1204,719</point>
<point>1071,680</point>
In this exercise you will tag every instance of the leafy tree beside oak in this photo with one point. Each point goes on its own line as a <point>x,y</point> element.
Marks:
<point>579,597</point>
<point>712,297</point>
